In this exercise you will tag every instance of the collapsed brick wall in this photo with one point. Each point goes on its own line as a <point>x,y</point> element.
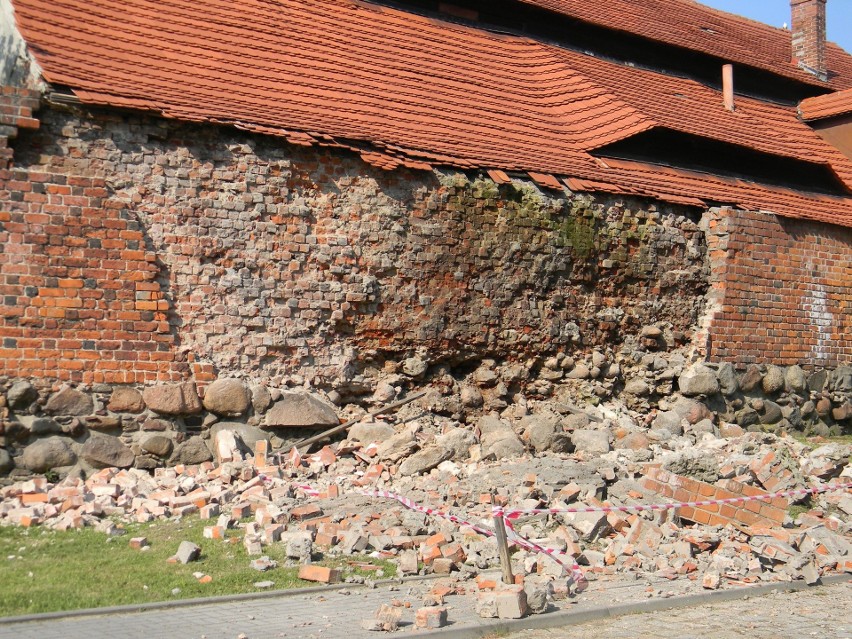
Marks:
<point>781,290</point>
<point>141,250</point>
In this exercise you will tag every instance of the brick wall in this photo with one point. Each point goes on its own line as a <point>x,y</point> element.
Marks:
<point>768,512</point>
<point>80,301</point>
<point>141,250</point>
<point>781,290</point>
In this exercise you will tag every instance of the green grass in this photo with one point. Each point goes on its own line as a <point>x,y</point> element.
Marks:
<point>812,443</point>
<point>52,570</point>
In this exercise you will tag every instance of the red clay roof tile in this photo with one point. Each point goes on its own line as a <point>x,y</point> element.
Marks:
<point>692,25</point>
<point>826,106</point>
<point>401,89</point>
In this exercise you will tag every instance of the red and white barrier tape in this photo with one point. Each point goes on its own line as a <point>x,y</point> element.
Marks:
<point>412,505</point>
<point>515,513</point>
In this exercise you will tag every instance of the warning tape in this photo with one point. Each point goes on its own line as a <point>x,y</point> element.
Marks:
<point>515,513</point>
<point>412,505</point>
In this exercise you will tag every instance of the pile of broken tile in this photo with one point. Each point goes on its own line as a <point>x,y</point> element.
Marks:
<point>313,506</point>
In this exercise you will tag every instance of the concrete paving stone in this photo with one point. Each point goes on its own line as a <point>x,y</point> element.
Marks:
<point>332,615</point>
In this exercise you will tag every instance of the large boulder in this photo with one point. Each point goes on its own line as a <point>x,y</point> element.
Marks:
<point>173,399</point>
<point>698,380</point>
<point>44,454</point>
<point>21,395</point>
<point>227,397</point>
<point>69,401</point>
<point>126,400</point>
<point>103,451</point>
<point>296,409</point>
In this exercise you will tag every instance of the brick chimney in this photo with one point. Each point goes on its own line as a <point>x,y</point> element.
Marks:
<point>809,36</point>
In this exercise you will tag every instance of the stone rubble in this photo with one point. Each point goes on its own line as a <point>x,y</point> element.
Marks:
<point>622,431</point>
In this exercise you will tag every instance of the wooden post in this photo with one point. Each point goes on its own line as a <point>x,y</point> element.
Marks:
<point>503,547</point>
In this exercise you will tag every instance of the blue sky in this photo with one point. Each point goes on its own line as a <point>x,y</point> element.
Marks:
<point>777,12</point>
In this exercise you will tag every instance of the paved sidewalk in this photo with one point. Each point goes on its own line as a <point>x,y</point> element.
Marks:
<point>330,614</point>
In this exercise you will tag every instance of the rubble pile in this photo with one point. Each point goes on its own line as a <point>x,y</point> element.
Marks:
<point>607,432</point>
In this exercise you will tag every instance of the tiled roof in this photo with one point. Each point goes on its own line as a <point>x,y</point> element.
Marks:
<point>826,106</point>
<point>692,25</point>
<point>402,89</point>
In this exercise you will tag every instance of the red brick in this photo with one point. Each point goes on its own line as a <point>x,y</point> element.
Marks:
<point>320,574</point>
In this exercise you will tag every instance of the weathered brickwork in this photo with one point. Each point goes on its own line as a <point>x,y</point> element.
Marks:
<point>781,290</point>
<point>143,250</point>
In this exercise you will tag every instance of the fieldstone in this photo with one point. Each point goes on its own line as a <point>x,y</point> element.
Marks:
<point>746,417</point>
<point>698,380</point>
<point>69,401</point>
<point>771,413</point>
<point>750,378</point>
<point>823,406</point>
<point>6,463</point>
<point>637,387</point>
<point>21,395</point>
<point>842,412</point>
<point>193,451</point>
<point>842,379</point>
<point>227,397</point>
<point>729,431</point>
<point>692,411</point>
<point>414,367</point>
<point>173,399</point>
<point>261,398</point>
<point>498,439</point>
<point>539,431</point>
<point>103,422</point>
<point>41,426</point>
<point>773,380</point>
<point>367,432</point>
<point>727,376</point>
<point>485,377</point>
<point>817,381</point>
<point>795,380</point>
<point>580,371</point>
<point>397,447</point>
<point>155,425</point>
<point>471,396</point>
<point>668,420</point>
<point>593,442</point>
<point>424,460</point>
<point>158,445</point>
<point>301,409</point>
<point>187,552</point>
<point>458,441</point>
<point>47,453</point>
<point>103,451</point>
<point>384,393</point>
<point>126,400</point>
